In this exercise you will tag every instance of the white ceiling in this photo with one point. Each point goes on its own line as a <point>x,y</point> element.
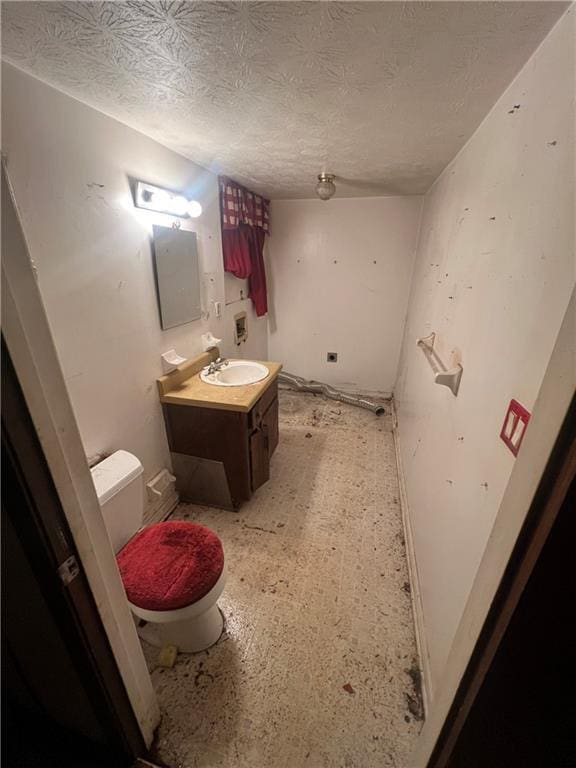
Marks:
<point>381,93</point>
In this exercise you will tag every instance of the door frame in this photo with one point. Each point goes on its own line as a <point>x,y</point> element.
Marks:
<point>29,340</point>
<point>32,509</point>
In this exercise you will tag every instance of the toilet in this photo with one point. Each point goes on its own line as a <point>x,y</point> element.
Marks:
<point>173,572</point>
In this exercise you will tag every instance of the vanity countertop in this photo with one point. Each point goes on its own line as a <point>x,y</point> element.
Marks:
<point>185,387</point>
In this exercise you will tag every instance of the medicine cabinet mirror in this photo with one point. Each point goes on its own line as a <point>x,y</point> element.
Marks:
<point>177,276</point>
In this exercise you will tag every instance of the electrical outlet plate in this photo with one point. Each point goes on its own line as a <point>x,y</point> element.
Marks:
<point>514,427</point>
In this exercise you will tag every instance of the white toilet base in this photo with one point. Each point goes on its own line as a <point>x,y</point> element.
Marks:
<point>191,629</point>
<point>189,636</point>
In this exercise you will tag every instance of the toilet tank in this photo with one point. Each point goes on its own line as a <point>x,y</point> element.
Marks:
<point>118,483</point>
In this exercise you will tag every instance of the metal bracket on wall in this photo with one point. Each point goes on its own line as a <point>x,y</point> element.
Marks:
<point>68,570</point>
<point>447,377</point>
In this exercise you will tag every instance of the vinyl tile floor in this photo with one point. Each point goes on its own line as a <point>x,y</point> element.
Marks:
<point>317,666</point>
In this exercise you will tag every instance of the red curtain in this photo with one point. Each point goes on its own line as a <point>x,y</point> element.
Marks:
<point>245,222</point>
<point>236,248</point>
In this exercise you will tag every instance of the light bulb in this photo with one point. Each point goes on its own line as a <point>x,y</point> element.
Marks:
<point>165,201</point>
<point>194,209</point>
<point>325,187</point>
<point>160,199</point>
<point>178,205</point>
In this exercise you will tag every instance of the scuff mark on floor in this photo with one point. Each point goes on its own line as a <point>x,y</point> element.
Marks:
<point>257,528</point>
<point>414,699</point>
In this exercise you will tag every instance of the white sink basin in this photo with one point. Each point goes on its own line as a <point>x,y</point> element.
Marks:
<point>236,373</point>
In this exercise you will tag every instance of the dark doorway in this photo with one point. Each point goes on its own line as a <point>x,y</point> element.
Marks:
<point>525,713</point>
<point>64,700</point>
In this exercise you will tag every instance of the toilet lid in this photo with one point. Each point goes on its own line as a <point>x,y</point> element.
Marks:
<point>170,565</point>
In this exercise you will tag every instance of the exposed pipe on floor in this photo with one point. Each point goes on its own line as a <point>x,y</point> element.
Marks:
<point>301,385</point>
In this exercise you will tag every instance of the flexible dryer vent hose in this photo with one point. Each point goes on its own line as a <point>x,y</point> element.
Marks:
<point>301,385</point>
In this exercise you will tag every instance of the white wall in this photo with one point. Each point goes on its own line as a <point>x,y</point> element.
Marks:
<point>69,166</point>
<point>493,276</point>
<point>339,280</point>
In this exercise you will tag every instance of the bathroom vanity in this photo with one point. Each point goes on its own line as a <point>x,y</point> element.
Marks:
<point>221,438</point>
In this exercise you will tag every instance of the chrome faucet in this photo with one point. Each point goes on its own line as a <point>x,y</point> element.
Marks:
<point>216,365</point>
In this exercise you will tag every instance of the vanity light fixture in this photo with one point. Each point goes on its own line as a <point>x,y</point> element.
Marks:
<point>161,200</point>
<point>325,187</point>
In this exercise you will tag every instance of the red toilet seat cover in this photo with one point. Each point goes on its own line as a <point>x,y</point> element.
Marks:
<point>170,565</point>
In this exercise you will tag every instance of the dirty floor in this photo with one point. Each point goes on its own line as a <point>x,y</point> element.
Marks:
<point>317,666</point>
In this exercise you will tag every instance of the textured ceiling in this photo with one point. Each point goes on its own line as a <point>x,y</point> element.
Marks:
<point>383,94</point>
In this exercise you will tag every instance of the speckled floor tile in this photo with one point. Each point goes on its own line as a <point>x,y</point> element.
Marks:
<point>316,665</point>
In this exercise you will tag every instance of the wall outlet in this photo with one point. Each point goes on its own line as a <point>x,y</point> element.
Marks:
<point>332,357</point>
<point>514,427</point>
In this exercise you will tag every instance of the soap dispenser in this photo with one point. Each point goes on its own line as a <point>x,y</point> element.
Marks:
<point>209,341</point>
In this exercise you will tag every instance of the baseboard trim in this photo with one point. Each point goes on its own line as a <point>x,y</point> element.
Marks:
<point>415,593</point>
<point>162,511</point>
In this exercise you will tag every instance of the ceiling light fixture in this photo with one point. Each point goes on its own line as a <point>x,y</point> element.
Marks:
<point>153,198</point>
<point>325,187</point>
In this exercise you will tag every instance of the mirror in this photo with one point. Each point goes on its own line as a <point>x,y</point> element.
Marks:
<point>177,276</point>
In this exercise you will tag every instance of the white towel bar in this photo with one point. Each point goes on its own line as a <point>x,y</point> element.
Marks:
<point>448,378</point>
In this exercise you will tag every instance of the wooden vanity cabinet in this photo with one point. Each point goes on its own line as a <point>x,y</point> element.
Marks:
<point>263,428</point>
<point>212,448</point>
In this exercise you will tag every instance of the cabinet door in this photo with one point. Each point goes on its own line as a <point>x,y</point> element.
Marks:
<point>270,426</point>
<point>216,435</point>
<point>259,457</point>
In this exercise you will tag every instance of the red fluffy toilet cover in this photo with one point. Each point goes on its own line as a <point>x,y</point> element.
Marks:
<point>170,565</point>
